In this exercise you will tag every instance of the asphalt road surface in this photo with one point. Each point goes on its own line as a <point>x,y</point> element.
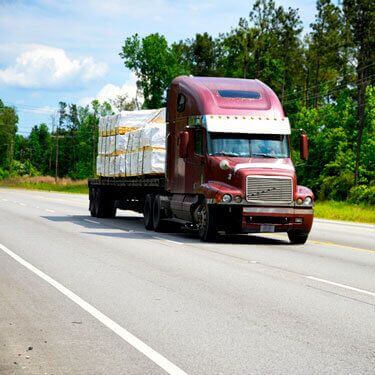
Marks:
<point>80,295</point>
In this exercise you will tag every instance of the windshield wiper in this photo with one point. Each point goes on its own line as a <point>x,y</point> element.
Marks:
<point>225,153</point>
<point>265,155</point>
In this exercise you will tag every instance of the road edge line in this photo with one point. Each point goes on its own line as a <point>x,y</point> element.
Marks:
<point>135,342</point>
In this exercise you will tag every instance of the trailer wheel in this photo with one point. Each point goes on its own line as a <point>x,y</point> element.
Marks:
<point>148,212</point>
<point>207,223</point>
<point>104,207</point>
<point>157,215</point>
<point>297,237</point>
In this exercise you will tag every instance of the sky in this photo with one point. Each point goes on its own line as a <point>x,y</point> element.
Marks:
<point>68,50</point>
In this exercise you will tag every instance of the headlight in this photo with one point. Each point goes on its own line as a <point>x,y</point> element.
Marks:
<point>226,198</point>
<point>238,199</point>
<point>299,201</point>
<point>307,201</point>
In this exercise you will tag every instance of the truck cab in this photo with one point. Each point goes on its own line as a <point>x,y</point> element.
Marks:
<point>228,165</point>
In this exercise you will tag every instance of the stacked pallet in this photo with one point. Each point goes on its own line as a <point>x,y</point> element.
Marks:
<point>132,143</point>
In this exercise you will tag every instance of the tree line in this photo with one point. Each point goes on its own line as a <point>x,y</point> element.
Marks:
<point>323,77</point>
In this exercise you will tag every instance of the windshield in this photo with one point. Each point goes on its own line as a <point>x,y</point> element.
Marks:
<point>248,145</point>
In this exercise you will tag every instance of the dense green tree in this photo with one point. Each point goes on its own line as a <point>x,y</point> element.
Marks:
<point>155,64</point>
<point>39,144</point>
<point>324,55</point>
<point>8,128</point>
<point>361,19</point>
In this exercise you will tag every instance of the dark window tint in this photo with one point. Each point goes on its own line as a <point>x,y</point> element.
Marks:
<point>198,141</point>
<point>181,101</point>
<point>239,94</point>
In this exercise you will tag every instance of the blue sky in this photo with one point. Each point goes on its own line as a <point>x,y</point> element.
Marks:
<point>52,50</point>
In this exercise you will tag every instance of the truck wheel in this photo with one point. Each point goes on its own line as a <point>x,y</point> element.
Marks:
<point>207,223</point>
<point>104,207</point>
<point>158,215</point>
<point>148,212</point>
<point>92,206</point>
<point>297,237</point>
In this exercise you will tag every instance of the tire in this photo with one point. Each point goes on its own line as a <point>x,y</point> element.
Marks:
<point>207,224</point>
<point>148,212</point>
<point>297,237</point>
<point>104,207</point>
<point>158,215</point>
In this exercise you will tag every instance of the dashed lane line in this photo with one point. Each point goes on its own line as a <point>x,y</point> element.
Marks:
<point>341,285</point>
<point>134,341</point>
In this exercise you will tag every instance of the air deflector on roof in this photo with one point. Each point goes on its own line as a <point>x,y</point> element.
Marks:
<point>239,94</point>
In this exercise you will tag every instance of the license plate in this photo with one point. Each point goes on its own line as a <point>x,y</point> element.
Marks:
<point>267,228</point>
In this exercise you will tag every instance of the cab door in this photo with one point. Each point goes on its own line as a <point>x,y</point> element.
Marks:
<point>194,173</point>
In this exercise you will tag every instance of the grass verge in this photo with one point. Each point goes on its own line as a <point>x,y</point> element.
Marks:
<point>64,185</point>
<point>344,211</point>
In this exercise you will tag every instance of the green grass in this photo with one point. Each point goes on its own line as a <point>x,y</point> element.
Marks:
<point>344,211</point>
<point>47,183</point>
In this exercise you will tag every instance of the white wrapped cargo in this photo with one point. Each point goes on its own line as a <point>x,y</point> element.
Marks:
<point>132,143</point>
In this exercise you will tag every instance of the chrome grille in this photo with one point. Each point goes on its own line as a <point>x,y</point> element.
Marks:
<point>269,189</point>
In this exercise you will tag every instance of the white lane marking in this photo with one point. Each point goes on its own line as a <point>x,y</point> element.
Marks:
<point>23,204</point>
<point>91,221</point>
<point>5,200</point>
<point>48,210</point>
<point>164,239</point>
<point>341,285</point>
<point>150,353</point>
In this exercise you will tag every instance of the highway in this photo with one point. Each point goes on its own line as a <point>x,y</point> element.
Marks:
<point>80,295</point>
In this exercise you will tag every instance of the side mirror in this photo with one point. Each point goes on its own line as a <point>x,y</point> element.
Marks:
<point>304,146</point>
<point>183,144</point>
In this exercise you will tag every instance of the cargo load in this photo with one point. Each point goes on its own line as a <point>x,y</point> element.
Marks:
<point>132,143</point>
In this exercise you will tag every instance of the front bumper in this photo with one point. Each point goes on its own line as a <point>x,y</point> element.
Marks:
<point>276,219</point>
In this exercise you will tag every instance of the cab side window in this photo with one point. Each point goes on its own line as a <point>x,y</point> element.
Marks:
<point>198,141</point>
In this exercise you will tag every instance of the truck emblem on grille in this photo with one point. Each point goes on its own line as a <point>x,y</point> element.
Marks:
<point>262,191</point>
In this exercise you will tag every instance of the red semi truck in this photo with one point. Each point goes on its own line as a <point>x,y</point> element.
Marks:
<point>228,166</point>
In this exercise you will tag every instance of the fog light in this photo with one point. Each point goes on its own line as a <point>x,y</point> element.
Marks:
<point>308,201</point>
<point>238,199</point>
<point>299,201</point>
<point>298,220</point>
<point>226,198</point>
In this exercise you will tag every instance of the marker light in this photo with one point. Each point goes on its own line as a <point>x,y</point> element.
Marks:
<point>224,165</point>
<point>226,198</point>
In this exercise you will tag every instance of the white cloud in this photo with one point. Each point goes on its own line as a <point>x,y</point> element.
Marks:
<point>45,110</point>
<point>41,66</point>
<point>109,92</point>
